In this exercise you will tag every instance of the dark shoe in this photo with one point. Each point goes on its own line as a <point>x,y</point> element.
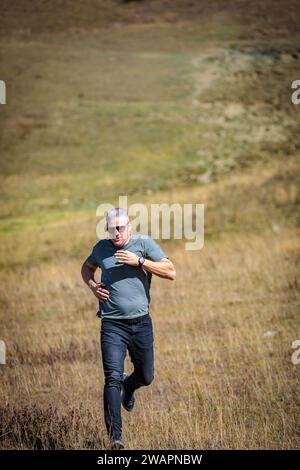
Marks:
<point>117,444</point>
<point>127,400</point>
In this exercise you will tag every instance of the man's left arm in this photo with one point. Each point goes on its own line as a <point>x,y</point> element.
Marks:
<point>163,268</point>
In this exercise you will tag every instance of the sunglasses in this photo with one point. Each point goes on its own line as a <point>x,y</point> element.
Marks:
<point>120,228</point>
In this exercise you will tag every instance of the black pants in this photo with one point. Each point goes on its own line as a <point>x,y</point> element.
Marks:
<point>118,336</point>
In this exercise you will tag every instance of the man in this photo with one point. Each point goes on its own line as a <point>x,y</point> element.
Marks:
<point>127,263</point>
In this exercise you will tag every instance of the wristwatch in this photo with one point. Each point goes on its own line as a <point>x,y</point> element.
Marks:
<point>141,261</point>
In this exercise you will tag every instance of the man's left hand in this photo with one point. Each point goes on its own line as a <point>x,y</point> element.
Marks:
<point>127,257</point>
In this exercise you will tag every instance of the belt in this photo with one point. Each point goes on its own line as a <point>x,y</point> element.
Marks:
<point>128,321</point>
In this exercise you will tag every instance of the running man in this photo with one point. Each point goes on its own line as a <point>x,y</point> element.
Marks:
<point>127,263</point>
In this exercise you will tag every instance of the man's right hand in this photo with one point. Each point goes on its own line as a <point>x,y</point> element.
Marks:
<point>99,290</point>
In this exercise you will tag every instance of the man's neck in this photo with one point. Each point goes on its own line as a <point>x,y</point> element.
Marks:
<point>125,242</point>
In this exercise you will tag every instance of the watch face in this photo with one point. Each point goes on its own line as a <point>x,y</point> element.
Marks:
<point>141,260</point>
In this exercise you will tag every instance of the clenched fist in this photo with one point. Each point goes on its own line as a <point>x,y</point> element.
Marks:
<point>127,257</point>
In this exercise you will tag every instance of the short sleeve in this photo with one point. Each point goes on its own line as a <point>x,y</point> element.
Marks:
<point>92,258</point>
<point>153,251</point>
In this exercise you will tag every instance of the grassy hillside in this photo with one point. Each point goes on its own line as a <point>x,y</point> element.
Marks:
<point>164,102</point>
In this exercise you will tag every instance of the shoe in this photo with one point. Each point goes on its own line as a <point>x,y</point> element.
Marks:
<point>127,401</point>
<point>117,444</point>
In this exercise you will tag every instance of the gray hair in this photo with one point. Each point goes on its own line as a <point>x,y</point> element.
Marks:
<point>116,212</point>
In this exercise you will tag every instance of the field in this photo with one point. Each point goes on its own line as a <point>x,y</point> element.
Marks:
<point>166,102</point>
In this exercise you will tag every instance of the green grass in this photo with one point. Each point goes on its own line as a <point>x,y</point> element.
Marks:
<point>85,121</point>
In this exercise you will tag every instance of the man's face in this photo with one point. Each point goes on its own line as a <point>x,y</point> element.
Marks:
<point>119,231</point>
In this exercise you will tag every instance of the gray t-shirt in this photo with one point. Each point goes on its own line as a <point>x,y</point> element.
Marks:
<point>129,286</point>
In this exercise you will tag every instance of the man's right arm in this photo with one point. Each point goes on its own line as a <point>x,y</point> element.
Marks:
<point>87,273</point>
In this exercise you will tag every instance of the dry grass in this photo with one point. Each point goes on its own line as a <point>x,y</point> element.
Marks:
<point>218,382</point>
<point>180,103</point>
